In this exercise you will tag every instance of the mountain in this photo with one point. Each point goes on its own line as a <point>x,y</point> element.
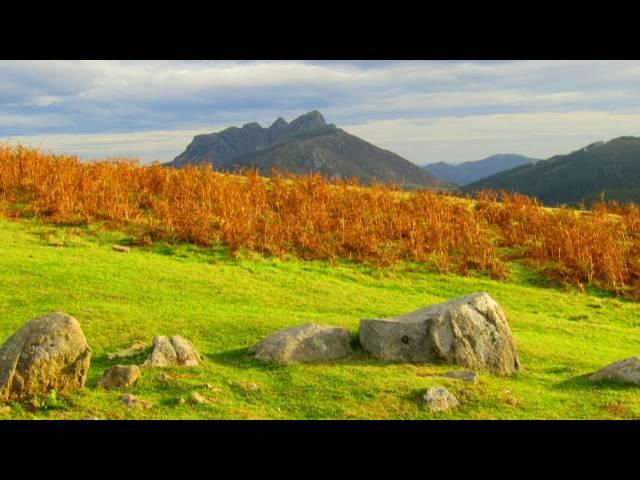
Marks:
<point>469,172</point>
<point>307,144</point>
<point>611,167</point>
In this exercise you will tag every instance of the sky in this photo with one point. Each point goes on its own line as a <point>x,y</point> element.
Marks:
<point>425,111</point>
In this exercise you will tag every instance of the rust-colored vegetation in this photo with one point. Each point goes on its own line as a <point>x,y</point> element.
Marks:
<point>313,218</point>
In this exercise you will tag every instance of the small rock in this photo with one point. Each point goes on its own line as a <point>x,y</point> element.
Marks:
<point>249,387</point>
<point>514,402</point>
<point>133,401</point>
<point>624,371</point>
<point>164,378</point>
<point>305,343</point>
<point>120,248</point>
<point>206,386</point>
<point>90,418</point>
<point>128,399</point>
<point>181,401</point>
<point>185,351</point>
<point>440,399</point>
<point>198,398</point>
<point>119,376</point>
<point>465,376</point>
<point>172,351</point>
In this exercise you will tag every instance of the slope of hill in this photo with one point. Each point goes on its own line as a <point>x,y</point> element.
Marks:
<point>226,304</point>
<point>469,172</point>
<point>611,167</point>
<point>307,144</point>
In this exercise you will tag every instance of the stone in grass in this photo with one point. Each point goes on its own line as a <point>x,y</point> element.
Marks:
<point>440,399</point>
<point>623,371</point>
<point>304,343</point>
<point>464,375</point>
<point>249,386</point>
<point>469,331</point>
<point>172,351</point>
<point>47,353</point>
<point>198,398</point>
<point>133,350</point>
<point>164,378</point>
<point>132,401</point>
<point>119,376</point>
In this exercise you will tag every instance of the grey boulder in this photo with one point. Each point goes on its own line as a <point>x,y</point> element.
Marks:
<point>471,331</point>
<point>47,353</point>
<point>624,371</point>
<point>304,343</point>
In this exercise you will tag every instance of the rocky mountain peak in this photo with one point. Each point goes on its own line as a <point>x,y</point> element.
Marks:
<point>279,123</point>
<point>307,122</point>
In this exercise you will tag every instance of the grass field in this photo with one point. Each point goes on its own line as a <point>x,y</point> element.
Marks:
<point>224,305</point>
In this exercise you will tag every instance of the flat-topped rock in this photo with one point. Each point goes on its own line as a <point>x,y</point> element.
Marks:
<point>623,371</point>
<point>463,375</point>
<point>471,331</point>
<point>304,343</point>
<point>47,353</point>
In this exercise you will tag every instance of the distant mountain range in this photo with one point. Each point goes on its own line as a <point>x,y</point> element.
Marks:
<point>306,144</point>
<point>469,172</point>
<point>611,167</point>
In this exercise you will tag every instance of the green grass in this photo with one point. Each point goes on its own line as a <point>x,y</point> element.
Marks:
<point>224,305</point>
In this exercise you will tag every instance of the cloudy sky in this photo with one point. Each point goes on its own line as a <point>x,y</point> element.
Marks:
<point>426,111</point>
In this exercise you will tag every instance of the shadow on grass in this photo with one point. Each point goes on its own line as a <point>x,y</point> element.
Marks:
<point>582,382</point>
<point>242,358</point>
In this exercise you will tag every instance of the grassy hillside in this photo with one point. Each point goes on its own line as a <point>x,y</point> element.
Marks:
<point>224,305</point>
<point>611,167</point>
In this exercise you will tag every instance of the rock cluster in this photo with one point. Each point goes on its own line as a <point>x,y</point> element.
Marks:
<point>470,331</point>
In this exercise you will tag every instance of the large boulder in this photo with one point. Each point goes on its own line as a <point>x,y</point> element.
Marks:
<point>624,371</point>
<point>172,351</point>
<point>470,331</point>
<point>47,353</point>
<point>304,343</point>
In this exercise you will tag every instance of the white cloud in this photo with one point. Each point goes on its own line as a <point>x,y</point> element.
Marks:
<point>459,139</point>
